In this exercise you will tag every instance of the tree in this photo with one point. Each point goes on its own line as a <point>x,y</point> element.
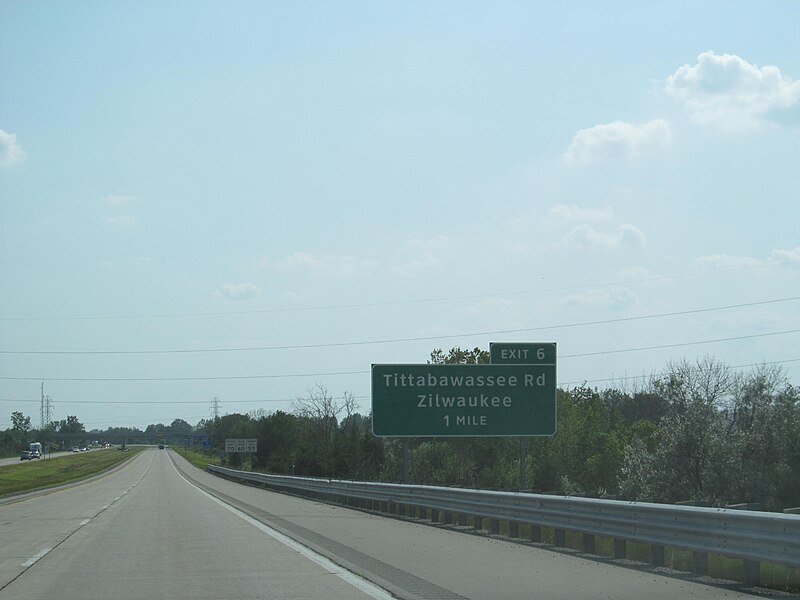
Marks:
<point>20,423</point>
<point>319,424</point>
<point>695,455</point>
<point>278,443</point>
<point>762,420</point>
<point>457,356</point>
<point>180,426</point>
<point>70,425</point>
<point>16,438</point>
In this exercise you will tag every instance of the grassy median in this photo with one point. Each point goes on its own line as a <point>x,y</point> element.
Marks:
<point>43,473</point>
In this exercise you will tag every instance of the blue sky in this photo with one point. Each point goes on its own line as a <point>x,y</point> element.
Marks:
<point>307,177</point>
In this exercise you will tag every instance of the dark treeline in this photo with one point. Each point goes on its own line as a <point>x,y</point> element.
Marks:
<point>697,432</point>
<point>21,433</point>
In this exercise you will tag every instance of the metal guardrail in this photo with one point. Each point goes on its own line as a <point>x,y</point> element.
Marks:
<point>752,536</point>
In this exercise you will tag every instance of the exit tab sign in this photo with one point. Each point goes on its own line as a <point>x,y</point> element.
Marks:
<point>522,353</point>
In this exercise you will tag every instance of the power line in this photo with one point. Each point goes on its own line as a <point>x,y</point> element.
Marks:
<point>361,372</point>
<point>400,340</point>
<point>663,346</point>
<point>400,302</point>
<point>365,397</point>
<point>219,378</point>
<point>203,402</point>
<point>629,377</point>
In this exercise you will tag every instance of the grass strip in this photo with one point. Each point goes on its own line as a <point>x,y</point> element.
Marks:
<point>197,458</point>
<point>42,473</point>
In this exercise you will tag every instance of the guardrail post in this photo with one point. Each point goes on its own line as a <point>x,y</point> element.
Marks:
<point>462,519</point>
<point>752,572</point>
<point>588,543</point>
<point>477,523</point>
<point>434,515</point>
<point>656,555</point>
<point>536,533</point>
<point>700,563</point>
<point>560,536</point>
<point>620,548</point>
<point>513,529</point>
<point>494,526</point>
<point>448,517</point>
<point>406,459</point>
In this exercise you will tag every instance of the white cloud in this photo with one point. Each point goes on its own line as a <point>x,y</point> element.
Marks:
<point>433,243</point>
<point>115,200</point>
<point>632,236</point>
<point>617,140</point>
<point>726,91</point>
<point>124,221</point>
<point>423,255</point>
<point>726,262</point>
<point>575,213</point>
<point>790,255</point>
<point>11,153</point>
<point>328,265</point>
<point>586,237</point>
<point>412,267</point>
<point>238,292</point>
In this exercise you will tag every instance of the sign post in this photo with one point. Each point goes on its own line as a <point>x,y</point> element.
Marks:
<point>522,353</point>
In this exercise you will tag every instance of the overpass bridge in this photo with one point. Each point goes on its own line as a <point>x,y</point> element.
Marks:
<point>154,437</point>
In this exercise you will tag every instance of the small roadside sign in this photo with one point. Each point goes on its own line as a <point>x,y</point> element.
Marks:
<point>241,445</point>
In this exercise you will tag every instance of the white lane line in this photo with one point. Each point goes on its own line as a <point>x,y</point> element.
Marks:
<point>331,567</point>
<point>366,586</point>
<point>35,558</point>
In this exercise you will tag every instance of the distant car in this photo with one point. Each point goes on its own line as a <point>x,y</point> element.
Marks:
<point>25,455</point>
<point>35,454</point>
<point>74,449</point>
<point>84,449</point>
<point>161,446</point>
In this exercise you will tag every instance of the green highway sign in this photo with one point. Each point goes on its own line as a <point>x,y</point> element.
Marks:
<point>464,400</point>
<point>522,353</point>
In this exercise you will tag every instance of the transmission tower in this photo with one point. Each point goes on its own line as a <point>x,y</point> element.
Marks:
<point>46,411</point>
<point>215,408</point>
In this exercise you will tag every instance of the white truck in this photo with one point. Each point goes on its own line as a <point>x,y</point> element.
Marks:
<point>36,450</point>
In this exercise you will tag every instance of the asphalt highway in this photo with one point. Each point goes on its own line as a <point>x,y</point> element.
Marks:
<point>160,528</point>
<point>15,459</point>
